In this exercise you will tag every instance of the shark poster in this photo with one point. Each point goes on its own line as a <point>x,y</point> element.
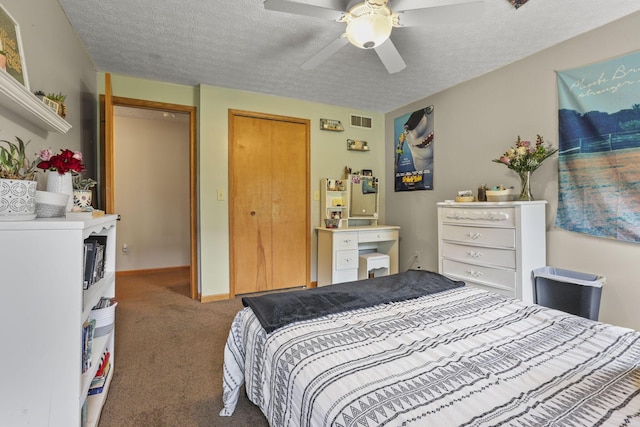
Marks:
<point>413,145</point>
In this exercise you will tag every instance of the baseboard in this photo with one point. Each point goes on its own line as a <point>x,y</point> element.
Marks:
<point>152,270</point>
<point>214,298</point>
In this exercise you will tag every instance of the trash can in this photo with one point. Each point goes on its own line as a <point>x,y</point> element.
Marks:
<point>569,291</point>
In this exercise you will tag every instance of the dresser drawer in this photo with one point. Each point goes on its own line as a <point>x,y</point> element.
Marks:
<point>510,293</point>
<point>503,278</point>
<point>345,241</point>
<point>486,236</point>
<point>347,259</point>
<point>497,217</point>
<point>377,236</point>
<point>480,255</point>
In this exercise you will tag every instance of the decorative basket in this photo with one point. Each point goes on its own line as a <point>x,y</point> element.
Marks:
<point>105,318</point>
<point>331,223</point>
<point>506,195</point>
<point>50,205</point>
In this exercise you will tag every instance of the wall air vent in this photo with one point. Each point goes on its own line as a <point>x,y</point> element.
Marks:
<point>361,122</point>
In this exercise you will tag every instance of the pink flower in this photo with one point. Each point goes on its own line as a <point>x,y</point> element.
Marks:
<point>45,154</point>
<point>77,155</point>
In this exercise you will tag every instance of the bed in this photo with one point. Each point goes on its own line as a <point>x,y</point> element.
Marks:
<point>419,349</point>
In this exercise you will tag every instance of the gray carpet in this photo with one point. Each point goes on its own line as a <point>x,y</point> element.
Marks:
<point>169,355</point>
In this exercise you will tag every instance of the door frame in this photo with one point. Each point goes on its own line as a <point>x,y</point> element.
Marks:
<point>231,163</point>
<point>107,166</point>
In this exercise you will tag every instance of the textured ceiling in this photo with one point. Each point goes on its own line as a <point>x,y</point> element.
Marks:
<point>238,44</point>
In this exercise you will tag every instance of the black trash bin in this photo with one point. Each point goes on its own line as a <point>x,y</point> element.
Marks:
<point>569,291</point>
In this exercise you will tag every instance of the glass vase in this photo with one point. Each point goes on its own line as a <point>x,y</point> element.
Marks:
<point>525,186</point>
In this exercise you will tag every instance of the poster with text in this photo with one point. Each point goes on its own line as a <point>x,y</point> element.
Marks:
<point>413,145</point>
<point>599,149</point>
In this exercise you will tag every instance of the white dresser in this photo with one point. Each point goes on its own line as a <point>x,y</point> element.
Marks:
<point>339,250</point>
<point>493,246</point>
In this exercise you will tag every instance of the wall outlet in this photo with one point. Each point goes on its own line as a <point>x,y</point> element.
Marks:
<point>125,249</point>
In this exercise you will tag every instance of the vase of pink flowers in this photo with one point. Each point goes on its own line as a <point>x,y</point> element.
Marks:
<point>60,170</point>
<point>524,158</point>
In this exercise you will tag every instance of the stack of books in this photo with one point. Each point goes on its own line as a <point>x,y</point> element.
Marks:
<point>98,382</point>
<point>94,259</point>
<point>87,338</point>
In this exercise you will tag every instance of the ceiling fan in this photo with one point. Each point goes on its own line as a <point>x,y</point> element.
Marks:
<point>369,22</point>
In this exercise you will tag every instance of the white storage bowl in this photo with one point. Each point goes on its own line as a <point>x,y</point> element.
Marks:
<point>50,205</point>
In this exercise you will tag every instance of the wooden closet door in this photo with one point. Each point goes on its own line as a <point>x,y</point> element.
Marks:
<point>269,208</point>
<point>289,209</point>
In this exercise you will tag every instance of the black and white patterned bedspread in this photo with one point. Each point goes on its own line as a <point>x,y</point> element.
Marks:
<point>463,357</point>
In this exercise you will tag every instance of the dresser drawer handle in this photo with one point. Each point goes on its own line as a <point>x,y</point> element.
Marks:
<point>474,254</point>
<point>474,273</point>
<point>474,236</point>
<point>347,241</point>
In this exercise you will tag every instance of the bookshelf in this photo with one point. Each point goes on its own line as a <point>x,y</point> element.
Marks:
<point>334,201</point>
<point>44,308</point>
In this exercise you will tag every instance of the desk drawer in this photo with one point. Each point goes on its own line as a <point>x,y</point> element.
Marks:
<point>480,255</point>
<point>377,236</point>
<point>503,278</point>
<point>345,241</point>
<point>502,237</point>
<point>347,259</point>
<point>497,217</point>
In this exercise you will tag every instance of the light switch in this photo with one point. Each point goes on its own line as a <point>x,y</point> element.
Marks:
<point>220,194</point>
<point>316,195</point>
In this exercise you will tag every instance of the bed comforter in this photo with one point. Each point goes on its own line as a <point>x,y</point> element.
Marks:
<point>463,357</point>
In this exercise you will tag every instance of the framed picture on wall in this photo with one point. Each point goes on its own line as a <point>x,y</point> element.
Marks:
<point>11,46</point>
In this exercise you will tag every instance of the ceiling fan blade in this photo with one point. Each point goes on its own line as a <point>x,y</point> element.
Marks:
<point>438,14</point>
<point>390,57</point>
<point>328,9</point>
<point>326,53</point>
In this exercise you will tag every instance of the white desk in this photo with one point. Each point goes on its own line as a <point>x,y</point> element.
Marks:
<point>339,249</point>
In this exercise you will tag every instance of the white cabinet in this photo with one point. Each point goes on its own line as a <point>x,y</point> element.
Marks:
<point>493,246</point>
<point>43,310</point>
<point>339,250</point>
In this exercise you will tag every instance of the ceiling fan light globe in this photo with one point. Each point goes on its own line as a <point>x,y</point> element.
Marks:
<point>369,30</point>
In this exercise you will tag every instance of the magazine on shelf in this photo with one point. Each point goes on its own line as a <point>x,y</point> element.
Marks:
<point>87,341</point>
<point>95,257</point>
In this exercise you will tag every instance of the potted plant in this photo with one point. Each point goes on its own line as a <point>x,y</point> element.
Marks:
<point>59,98</point>
<point>17,182</point>
<point>82,191</point>
<point>61,168</point>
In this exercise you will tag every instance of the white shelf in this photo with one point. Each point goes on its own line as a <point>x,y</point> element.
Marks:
<point>17,99</point>
<point>42,274</point>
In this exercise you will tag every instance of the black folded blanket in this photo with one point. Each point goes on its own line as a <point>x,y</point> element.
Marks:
<point>280,309</point>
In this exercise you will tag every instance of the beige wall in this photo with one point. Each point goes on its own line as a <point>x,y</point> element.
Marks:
<point>478,120</point>
<point>152,192</point>
<point>329,156</point>
<point>54,64</point>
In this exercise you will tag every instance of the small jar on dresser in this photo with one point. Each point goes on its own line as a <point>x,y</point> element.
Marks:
<point>493,246</point>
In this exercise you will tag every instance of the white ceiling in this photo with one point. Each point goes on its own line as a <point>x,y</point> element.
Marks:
<point>238,44</point>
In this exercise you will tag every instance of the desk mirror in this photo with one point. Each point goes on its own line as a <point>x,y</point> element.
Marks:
<point>363,197</point>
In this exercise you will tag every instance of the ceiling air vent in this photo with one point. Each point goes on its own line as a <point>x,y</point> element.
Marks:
<point>360,122</point>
